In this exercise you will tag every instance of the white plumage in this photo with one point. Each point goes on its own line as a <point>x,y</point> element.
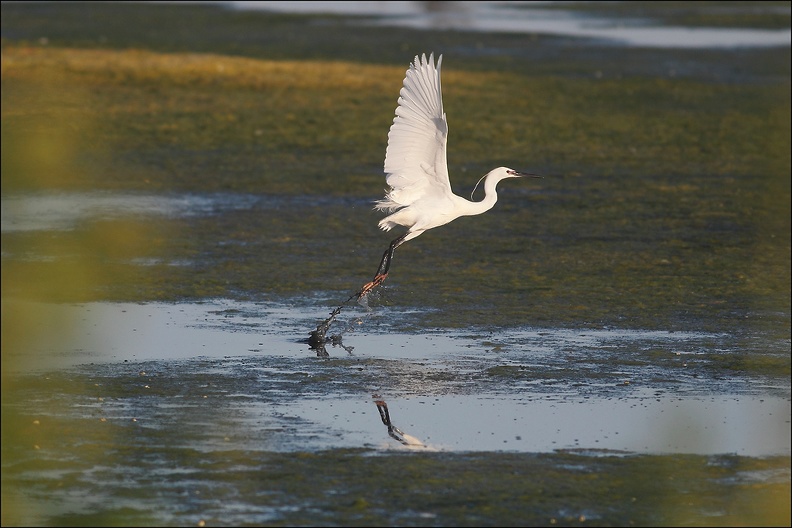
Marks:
<point>419,195</point>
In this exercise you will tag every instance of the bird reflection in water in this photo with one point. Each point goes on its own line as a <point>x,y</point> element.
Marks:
<point>393,431</point>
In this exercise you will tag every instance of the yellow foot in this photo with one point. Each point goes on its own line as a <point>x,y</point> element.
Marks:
<point>379,279</point>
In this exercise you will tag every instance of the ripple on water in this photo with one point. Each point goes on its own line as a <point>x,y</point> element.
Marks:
<point>526,390</point>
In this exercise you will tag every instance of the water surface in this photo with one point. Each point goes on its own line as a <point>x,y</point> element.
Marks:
<point>640,30</point>
<point>530,390</point>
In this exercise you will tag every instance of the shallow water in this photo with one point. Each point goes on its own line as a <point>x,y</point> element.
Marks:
<point>117,400</point>
<point>533,17</point>
<point>455,392</point>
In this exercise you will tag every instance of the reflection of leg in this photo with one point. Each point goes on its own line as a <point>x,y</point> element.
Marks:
<point>382,407</point>
<point>382,271</point>
<point>393,431</point>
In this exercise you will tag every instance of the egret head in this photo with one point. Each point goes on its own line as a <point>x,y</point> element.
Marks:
<point>502,173</point>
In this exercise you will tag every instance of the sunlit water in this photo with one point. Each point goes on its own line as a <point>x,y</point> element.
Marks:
<point>529,17</point>
<point>64,211</point>
<point>524,400</point>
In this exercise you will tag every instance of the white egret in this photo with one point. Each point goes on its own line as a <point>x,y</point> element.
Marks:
<point>420,195</point>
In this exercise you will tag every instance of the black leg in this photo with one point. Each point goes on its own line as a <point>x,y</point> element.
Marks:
<point>318,337</point>
<point>382,271</point>
<point>388,255</point>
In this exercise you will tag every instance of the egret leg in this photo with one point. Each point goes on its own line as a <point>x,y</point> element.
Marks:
<point>382,271</point>
<point>319,337</point>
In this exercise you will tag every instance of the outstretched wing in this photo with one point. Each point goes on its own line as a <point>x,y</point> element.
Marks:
<point>415,160</point>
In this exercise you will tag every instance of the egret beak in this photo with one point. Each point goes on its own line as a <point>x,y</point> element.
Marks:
<point>523,174</point>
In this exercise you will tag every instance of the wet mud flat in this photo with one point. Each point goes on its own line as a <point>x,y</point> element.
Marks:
<point>216,412</point>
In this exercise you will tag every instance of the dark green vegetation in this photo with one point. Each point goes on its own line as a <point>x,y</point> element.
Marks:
<point>351,488</point>
<point>665,203</point>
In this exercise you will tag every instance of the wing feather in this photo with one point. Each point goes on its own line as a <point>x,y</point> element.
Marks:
<point>415,160</point>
